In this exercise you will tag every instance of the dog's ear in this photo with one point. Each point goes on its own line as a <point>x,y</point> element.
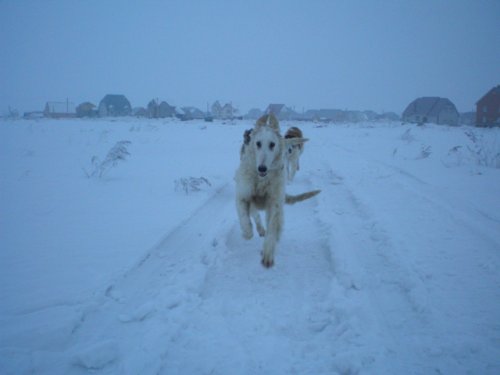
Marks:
<point>269,120</point>
<point>273,122</point>
<point>295,141</point>
<point>262,121</point>
<point>247,136</point>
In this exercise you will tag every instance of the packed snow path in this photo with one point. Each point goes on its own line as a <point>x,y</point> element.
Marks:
<point>387,271</point>
<point>200,302</point>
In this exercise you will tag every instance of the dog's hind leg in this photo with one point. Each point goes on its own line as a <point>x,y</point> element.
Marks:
<point>293,170</point>
<point>274,218</point>
<point>258,222</point>
<point>290,170</point>
<point>243,208</point>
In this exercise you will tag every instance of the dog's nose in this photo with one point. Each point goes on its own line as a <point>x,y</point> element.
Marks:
<point>262,169</point>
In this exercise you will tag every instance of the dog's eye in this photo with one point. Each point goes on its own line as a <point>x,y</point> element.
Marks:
<point>258,144</point>
<point>271,145</point>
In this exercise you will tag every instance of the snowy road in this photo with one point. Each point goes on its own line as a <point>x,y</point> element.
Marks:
<point>392,269</point>
<point>410,259</point>
<point>202,303</point>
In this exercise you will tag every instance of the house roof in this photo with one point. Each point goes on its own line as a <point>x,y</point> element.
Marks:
<point>165,104</point>
<point>117,101</point>
<point>493,91</point>
<point>274,108</point>
<point>193,112</point>
<point>86,105</point>
<point>428,106</point>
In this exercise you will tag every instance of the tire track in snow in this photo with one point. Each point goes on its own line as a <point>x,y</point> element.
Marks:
<point>128,329</point>
<point>375,291</point>
<point>399,286</point>
<point>254,320</point>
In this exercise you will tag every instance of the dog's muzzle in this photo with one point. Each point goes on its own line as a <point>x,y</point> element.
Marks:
<point>262,169</point>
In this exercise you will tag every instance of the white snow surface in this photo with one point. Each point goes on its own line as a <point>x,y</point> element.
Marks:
<point>392,269</point>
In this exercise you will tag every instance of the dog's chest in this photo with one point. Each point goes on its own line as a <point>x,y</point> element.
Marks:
<point>267,189</point>
<point>260,193</point>
<point>259,201</point>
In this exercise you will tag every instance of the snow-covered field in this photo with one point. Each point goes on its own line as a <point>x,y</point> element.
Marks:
<point>392,269</point>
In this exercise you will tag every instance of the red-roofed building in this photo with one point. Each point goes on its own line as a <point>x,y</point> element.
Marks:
<point>488,108</point>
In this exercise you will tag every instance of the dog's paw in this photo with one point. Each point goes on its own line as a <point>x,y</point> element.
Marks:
<point>267,261</point>
<point>247,233</point>
<point>261,230</point>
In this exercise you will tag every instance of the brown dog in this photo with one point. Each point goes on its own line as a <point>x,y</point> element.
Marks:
<point>294,151</point>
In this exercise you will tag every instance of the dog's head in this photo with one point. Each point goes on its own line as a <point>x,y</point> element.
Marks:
<point>268,146</point>
<point>293,132</point>
<point>295,145</point>
<point>294,141</point>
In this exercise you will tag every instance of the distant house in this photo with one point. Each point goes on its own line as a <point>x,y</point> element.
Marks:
<point>216,109</point>
<point>431,109</point>
<point>253,114</point>
<point>140,112</point>
<point>488,108</point>
<point>227,111</point>
<point>114,105</point>
<point>153,108</point>
<point>387,116</point>
<point>190,113</point>
<point>357,116</point>
<point>32,115</point>
<point>86,109</point>
<point>59,110</point>
<point>161,110</point>
<point>325,115</point>
<point>166,110</point>
<point>275,109</point>
<point>288,113</point>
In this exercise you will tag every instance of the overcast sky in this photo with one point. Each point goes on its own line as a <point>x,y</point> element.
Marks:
<point>371,54</point>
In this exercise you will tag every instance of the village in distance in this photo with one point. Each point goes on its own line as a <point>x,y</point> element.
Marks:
<point>421,110</point>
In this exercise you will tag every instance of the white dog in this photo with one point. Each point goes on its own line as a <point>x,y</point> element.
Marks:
<point>293,152</point>
<point>260,183</point>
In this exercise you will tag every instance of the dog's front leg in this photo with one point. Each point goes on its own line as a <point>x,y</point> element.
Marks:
<point>258,223</point>
<point>274,218</point>
<point>243,208</point>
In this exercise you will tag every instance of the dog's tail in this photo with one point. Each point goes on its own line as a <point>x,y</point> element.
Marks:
<point>291,199</point>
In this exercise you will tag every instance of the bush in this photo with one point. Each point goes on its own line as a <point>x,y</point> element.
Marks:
<point>116,154</point>
<point>486,154</point>
<point>191,184</point>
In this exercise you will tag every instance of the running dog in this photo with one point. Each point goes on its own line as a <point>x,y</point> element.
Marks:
<point>260,183</point>
<point>293,152</point>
